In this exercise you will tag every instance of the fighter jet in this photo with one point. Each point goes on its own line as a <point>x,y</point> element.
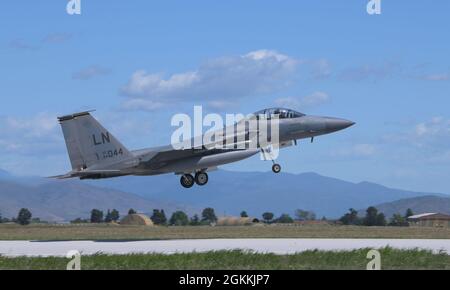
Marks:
<point>95,153</point>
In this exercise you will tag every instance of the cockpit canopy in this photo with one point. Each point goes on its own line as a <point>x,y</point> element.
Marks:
<point>281,112</point>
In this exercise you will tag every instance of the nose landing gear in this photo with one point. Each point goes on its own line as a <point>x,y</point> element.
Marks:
<point>276,168</point>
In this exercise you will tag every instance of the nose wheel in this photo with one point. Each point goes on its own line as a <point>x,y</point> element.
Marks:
<point>276,168</point>
<point>187,180</point>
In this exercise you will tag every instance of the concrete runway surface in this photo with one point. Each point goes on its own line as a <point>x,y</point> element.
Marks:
<point>277,246</point>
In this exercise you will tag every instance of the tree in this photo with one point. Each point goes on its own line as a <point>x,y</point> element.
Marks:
<point>208,215</point>
<point>373,218</point>
<point>24,217</point>
<point>195,220</point>
<point>381,220</point>
<point>96,216</point>
<point>159,217</point>
<point>108,218</point>
<point>115,215</point>
<point>112,216</point>
<point>179,218</point>
<point>79,221</point>
<point>398,220</point>
<point>163,217</point>
<point>267,216</point>
<point>244,214</point>
<point>305,215</point>
<point>131,211</point>
<point>350,218</point>
<point>285,219</point>
<point>409,213</point>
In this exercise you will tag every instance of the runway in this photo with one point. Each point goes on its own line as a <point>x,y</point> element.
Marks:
<point>276,246</point>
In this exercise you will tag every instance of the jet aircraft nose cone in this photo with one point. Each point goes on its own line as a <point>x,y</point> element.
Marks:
<point>335,124</point>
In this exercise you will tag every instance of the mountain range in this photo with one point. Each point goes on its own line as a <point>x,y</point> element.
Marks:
<point>228,192</point>
<point>60,201</point>
<point>420,204</point>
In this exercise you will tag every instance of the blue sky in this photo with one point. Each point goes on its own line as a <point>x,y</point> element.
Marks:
<point>139,63</point>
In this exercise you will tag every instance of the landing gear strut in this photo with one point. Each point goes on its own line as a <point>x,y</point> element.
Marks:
<point>201,178</point>
<point>276,168</point>
<point>187,180</point>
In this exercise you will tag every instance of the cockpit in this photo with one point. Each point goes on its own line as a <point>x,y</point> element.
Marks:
<point>280,112</point>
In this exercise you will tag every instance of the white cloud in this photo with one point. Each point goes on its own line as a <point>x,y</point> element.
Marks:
<point>20,44</point>
<point>431,132</point>
<point>364,149</point>
<point>321,69</point>
<point>427,141</point>
<point>421,129</point>
<point>312,100</point>
<point>37,126</point>
<point>437,77</point>
<point>436,127</point>
<point>221,105</point>
<point>90,72</point>
<point>57,37</point>
<point>356,150</point>
<point>370,72</point>
<point>29,135</point>
<point>223,79</point>
<point>142,104</point>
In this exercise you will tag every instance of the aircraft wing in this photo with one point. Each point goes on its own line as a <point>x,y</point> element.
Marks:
<point>73,174</point>
<point>177,154</point>
<point>167,154</point>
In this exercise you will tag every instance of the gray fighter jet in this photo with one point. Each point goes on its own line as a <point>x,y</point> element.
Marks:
<point>95,153</point>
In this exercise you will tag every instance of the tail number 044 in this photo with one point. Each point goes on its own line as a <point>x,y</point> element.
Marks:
<point>109,154</point>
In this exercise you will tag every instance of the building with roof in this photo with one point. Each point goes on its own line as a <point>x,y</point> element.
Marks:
<point>437,220</point>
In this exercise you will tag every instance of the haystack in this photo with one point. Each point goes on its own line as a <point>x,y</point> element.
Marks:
<point>234,221</point>
<point>136,220</point>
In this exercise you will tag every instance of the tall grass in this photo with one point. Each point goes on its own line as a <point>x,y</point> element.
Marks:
<point>240,260</point>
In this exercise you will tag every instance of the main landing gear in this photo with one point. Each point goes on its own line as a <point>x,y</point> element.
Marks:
<point>201,178</point>
<point>187,180</point>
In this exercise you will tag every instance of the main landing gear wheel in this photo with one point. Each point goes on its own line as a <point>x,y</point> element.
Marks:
<point>201,178</point>
<point>187,181</point>
<point>276,168</point>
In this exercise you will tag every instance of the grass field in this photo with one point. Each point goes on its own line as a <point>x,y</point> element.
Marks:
<point>116,232</point>
<point>238,260</point>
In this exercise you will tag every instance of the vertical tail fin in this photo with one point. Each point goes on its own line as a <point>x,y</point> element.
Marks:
<point>89,143</point>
